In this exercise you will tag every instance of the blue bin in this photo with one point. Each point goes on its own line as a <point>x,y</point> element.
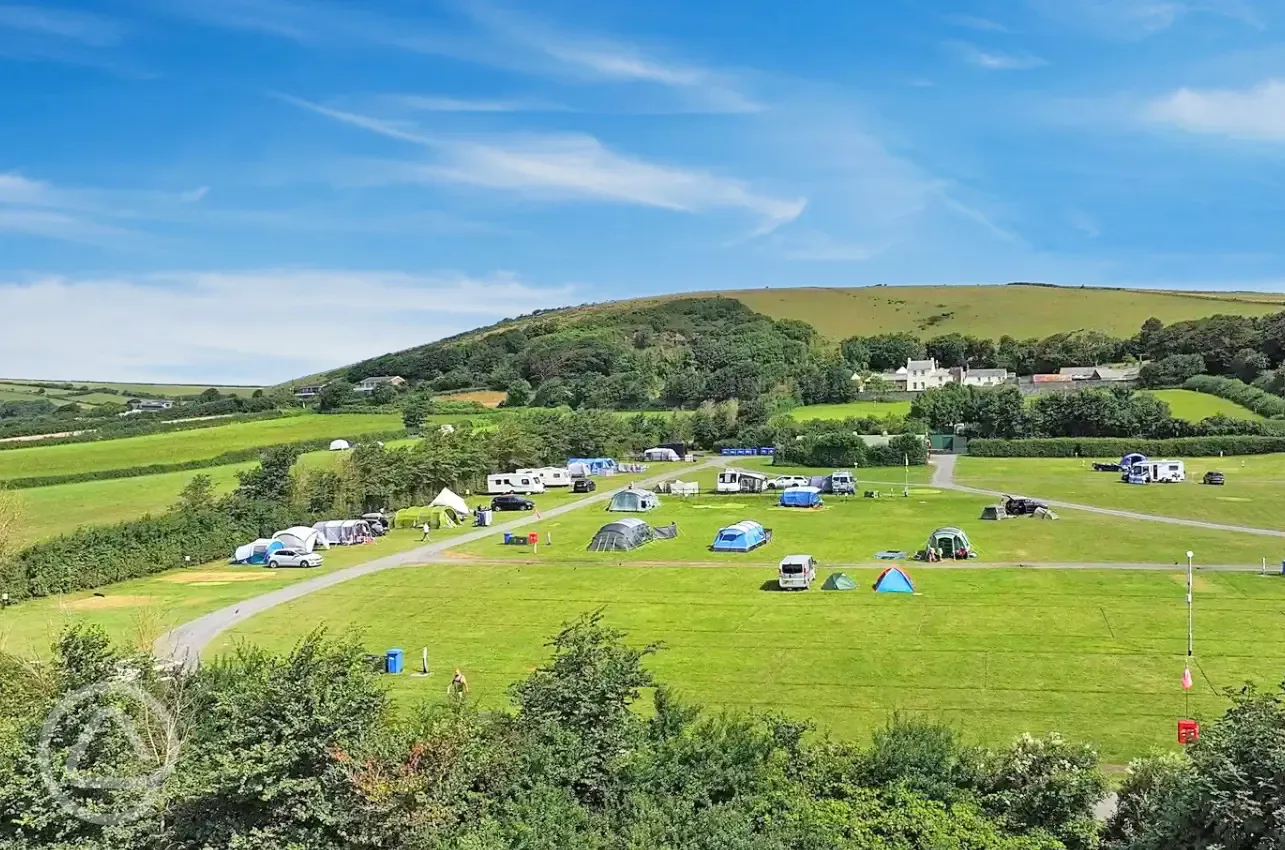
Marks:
<point>507,538</point>
<point>393,661</point>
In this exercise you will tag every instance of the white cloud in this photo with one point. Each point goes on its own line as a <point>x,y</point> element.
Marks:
<point>1257,113</point>
<point>83,27</point>
<point>1137,19</point>
<point>975,22</point>
<point>993,61</point>
<point>570,166</point>
<point>228,326</point>
<point>439,103</point>
<point>816,246</point>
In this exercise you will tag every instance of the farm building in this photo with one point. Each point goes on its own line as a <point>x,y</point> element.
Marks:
<point>621,535</point>
<point>633,501</point>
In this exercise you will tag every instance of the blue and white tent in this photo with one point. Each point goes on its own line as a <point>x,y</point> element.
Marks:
<point>801,497</point>
<point>256,552</point>
<point>591,466</point>
<point>741,537</point>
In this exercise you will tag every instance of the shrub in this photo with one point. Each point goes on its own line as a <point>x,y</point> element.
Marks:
<point>1262,403</point>
<point>1171,371</point>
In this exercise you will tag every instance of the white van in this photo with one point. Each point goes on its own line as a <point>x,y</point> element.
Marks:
<point>551,476</point>
<point>796,572</point>
<point>513,482</point>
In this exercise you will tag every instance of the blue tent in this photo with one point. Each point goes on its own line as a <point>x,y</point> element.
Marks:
<point>741,537</point>
<point>893,580</point>
<point>256,552</point>
<point>800,497</point>
<point>594,465</point>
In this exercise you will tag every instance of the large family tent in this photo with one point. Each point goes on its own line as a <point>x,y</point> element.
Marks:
<point>741,537</point>
<point>621,535</point>
<point>633,501</point>
<point>302,538</point>
<point>339,445</point>
<point>344,532</point>
<point>801,497</point>
<point>839,581</point>
<point>256,552</point>
<point>579,467</point>
<point>893,580</point>
<point>448,499</point>
<point>952,542</point>
<point>660,454</point>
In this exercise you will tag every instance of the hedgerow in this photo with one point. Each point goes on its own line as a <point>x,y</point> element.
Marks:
<point>1119,446</point>
<point>1262,403</point>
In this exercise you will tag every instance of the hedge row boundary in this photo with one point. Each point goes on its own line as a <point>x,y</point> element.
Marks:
<point>1238,392</point>
<point>1116,447</point>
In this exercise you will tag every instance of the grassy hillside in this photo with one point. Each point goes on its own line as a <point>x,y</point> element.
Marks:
<point>992,311</point>
<point>1193,406</point>
<point>25,388</point>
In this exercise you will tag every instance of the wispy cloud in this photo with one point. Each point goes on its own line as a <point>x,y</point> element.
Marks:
<point>568,166</point>
<point>85,28</point>
<point>1257,113</point>
<point>1137,19</point>
<point>440,103</point>
<point>974,22</point>
<point>817,246</point>
<point>994,61</point>
<point>188,314</point>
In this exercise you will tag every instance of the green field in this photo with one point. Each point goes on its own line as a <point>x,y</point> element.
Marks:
<point>181,446</point>
<point>1253,494</point>
<point>1094,654</point>
<point>851,409</point>
<point>1193,406</point>
<point>992,311</point>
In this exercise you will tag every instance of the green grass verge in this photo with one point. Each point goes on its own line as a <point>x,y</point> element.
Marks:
<point>1193,406</point>
<point>1094,654</point>
<point>183,446</point>
<point>1252,496</point>
<point>850,410</point>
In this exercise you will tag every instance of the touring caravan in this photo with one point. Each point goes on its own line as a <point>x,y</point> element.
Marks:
<point>740,481</point>
<point>513,482</point>
<point>550,476</point>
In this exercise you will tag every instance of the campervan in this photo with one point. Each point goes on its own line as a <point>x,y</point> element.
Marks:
<point>1157,472</point>
<point>514,482</point>
<point>796,572</point>
<point>550,476</point>
<point>842,483</point>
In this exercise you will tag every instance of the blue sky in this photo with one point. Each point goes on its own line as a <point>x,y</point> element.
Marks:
<point>248,190</point>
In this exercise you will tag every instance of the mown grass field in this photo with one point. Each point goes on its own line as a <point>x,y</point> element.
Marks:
<point>1094,654</point>
<point>850,410</point>
<point>196,444</point>
<point>992,311</point>
<point>1253,494</point>
<point>1193,406</point>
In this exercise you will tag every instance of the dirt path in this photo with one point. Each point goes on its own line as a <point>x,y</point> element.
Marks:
<point>184,644</point>
<point>944,477</point>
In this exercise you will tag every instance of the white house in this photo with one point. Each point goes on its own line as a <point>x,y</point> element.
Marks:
<point>925,375</point>
<point>919,375</point>
<point>980,377</point>
<point>367,385</point>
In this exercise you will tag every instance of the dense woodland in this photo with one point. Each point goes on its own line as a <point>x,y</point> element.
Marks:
<point>306,751</point>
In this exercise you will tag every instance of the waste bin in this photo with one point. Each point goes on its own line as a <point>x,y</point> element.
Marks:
<point>508,538</point>
<point>393,661</point>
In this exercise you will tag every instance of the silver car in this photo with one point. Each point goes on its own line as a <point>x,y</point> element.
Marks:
<point>293,558</point>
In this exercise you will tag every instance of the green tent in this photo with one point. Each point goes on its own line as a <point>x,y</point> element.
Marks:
<point>839,581</point>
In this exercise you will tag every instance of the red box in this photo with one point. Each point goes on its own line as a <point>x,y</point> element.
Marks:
<point>533,537</point>
<point>1188,731</point>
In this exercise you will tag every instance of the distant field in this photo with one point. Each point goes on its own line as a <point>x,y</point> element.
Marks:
<point>992,311</point>
<point>1193,406</point>
<point>181,446</point>
<point>486,398</point>
<point>156,389</point>
<point>851,409</point>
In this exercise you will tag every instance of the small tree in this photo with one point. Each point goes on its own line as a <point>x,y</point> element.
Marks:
<point>414,414</point>
<point>384,393</point>
<point>335,395</point>
<point>519,395</point>
<point>197,497</point>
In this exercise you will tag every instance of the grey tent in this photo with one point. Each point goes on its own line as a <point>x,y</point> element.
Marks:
<point>622,535</point>
<point>665,532</point>
<point>633,501</point>
<point>839,581</point>
<point>994,512</point>
<point>952,542</point>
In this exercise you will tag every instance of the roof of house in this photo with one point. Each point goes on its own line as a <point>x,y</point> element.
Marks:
<point>922,365</point>
<point>1078,371</point>
<point>1109,374</point>
<point>988,373</point>
<point>381,379</point>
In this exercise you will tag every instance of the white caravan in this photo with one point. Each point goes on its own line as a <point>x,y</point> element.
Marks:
<point>513,482</point>
<point>551,476</point>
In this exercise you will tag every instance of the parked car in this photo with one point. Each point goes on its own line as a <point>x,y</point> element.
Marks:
<point>511,502</point>
<point>1106,467</point>
<point>584,485</point>
<point>1212,477</point>
<point>781,482</point>
<point>293,558</point>
<point>1021,506</point>
<point>796,572</point>
<point>378,522</point>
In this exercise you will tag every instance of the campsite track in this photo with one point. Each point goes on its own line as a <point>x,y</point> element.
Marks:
<point>944,478</point>
<point>183,645</point>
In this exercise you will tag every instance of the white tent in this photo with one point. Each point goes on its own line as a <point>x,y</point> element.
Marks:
<point>339,445</point>
<point>342,532</point>
<point>302,538</point>
<point>448,499</point>
<point>331,530</point>
<point>682,488</point>
<point>660,454</point>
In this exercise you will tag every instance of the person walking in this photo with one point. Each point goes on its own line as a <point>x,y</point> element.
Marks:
<point>427,528</point>
<point>458,686</point>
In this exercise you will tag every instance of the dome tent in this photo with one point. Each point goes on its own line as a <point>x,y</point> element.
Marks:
<point>952,542</point>
<point>633,501</point>
<point>741,537</point>
<point>839,581</point>
<point>893,580</point>
<point>302,538</point>
<point>256,552</point>
<point>339,445</point>
<point>621,535</point>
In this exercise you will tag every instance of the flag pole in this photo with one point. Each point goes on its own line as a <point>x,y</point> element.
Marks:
<point>1190,638</point>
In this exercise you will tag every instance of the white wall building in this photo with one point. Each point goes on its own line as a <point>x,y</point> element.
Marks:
<point>919,375</point>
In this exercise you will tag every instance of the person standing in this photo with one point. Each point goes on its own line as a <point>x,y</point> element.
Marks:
<point>458,686</point>
<point>427,529</point>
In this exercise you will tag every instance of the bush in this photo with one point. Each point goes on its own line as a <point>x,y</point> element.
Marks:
<point>1262,403</point>
<point>1171,371</point>
<point>1120,446</point>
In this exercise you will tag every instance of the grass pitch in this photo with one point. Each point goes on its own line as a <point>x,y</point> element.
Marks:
<point>1094,654</point>
<point>850,410</point>
<point>1193,406</point>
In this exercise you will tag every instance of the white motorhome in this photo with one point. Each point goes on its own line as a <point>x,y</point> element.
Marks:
<point>551,476</point>
<point>513,482</point>
<point>1159,471</point>
<point>796,572</point>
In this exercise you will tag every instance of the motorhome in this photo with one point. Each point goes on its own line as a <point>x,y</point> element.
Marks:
<point>551,476</point>
<point>514,482</point>
<point>1157,472</point>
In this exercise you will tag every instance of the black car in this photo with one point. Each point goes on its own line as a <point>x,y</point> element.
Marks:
<point>1212,477</point>
<point>1106,467</point>
<point>510,502</point>
<point>1018,506</point>
<point>584,485</point>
